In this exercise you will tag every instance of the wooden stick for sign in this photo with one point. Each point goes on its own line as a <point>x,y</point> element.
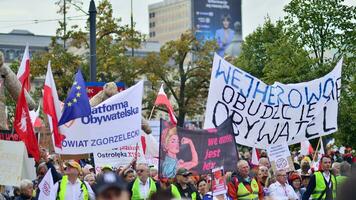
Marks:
<point>153,108</point>
<point>60,162</point>
<point>316,150</point>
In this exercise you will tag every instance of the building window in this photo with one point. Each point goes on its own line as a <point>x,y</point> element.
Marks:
<point>152,15</point>
<point>152,24</point>
<point>152,34</point>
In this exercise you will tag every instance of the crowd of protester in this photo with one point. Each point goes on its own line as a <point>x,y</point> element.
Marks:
<point>327,178</point>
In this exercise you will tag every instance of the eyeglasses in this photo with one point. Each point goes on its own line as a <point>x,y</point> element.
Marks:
<point>140,170</point>
<point>285,175</point>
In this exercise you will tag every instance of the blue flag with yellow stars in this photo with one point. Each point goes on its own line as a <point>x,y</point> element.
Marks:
<point>77,103</point>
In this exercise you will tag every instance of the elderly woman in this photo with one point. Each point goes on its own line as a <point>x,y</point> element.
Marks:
<point>26,190</point>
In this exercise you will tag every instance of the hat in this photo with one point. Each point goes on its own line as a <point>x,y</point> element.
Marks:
<point>88,167</point>
<point>109,180</point>
<point>109,167</point>
<point>73,164</point>
<point>183,172</point>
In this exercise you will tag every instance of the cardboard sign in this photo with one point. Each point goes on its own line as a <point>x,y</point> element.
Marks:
<point>15,164</point>
<point>280,157</point>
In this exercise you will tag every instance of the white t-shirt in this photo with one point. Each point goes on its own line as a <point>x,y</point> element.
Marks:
<point>280,192</point>
<point>73,191</point>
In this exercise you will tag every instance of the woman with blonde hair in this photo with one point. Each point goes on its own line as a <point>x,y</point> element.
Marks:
<point>171,146</point>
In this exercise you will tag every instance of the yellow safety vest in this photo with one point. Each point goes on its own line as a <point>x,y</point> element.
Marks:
<point>62,188</point>
<point>244,194</point>
<point>320,186</point>
<point>175,192</point>
<point>136,189</point>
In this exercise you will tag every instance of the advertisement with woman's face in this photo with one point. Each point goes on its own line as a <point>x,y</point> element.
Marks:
<point>219,21</point>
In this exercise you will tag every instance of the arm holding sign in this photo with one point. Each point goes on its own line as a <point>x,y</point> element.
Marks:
<point>194,162</point>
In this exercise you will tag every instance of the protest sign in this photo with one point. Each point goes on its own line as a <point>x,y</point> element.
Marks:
<point>196,150</point>
<point>120,156</point>
<point>218,184</point>
<point>272,114</point>
<point>280,157</point>
<point>14,163</point>
<point>113,123</point>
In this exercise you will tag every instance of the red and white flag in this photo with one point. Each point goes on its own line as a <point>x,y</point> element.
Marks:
<point>24,128</point>
<point>24,71</point>
<point>45,186</point>
<point>162,99</point>
<point>255,157</point>
<point>51,106</point>
<point>306,148</point>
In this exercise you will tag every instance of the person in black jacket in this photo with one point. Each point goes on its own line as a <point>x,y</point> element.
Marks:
<point>186,190</point>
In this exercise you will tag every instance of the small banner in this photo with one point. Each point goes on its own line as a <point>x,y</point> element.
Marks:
<point>218,184</point>
<point>280,157</point>
<point>196,150</point>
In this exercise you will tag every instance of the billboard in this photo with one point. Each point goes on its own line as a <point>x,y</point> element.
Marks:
<point>219,20</point>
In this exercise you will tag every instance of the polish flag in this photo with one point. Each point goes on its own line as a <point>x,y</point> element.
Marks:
<point>24,128</point>
<point>255,157</point>
<point>24,71</point>
<point>306,148</point>
<point>162,99</point>
<point>51,106</point>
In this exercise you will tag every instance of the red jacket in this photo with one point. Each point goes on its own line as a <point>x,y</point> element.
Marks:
<point>232,188</point>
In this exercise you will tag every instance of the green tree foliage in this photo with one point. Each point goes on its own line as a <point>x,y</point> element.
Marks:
<point>184,66</point>
<point>113,40</point>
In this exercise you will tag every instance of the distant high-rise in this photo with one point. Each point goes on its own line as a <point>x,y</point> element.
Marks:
<point>169,19</point>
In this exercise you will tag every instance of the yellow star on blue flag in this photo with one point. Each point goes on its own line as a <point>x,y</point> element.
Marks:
<point>76,104</point>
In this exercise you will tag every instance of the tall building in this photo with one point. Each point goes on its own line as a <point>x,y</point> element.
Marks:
<point>168,19</point>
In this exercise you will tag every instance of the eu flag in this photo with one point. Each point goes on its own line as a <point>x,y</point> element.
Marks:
<point>77,103</point>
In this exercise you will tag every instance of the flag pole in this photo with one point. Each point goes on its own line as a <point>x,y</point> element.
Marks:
<point>153,108</point>
<point>316,150</point>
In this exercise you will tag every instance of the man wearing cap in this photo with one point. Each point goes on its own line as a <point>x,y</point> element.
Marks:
<point>71,187</point>
<point>186,190</point>
<point>143,186</point>
<point>111,187</point>
<point>106,168</point>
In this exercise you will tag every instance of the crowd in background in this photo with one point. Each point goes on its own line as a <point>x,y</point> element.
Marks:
<point>319,178</point>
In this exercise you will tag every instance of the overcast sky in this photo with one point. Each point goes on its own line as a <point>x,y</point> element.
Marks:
<point>19,14</point>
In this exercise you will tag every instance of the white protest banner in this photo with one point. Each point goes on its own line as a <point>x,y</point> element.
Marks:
<point>218,183</point>
<point>113,123</point>
<point>120,156</point>
<point>11,162</point>
<point>272,114</point>
<point>46,186</point>
<point>280,157</point>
